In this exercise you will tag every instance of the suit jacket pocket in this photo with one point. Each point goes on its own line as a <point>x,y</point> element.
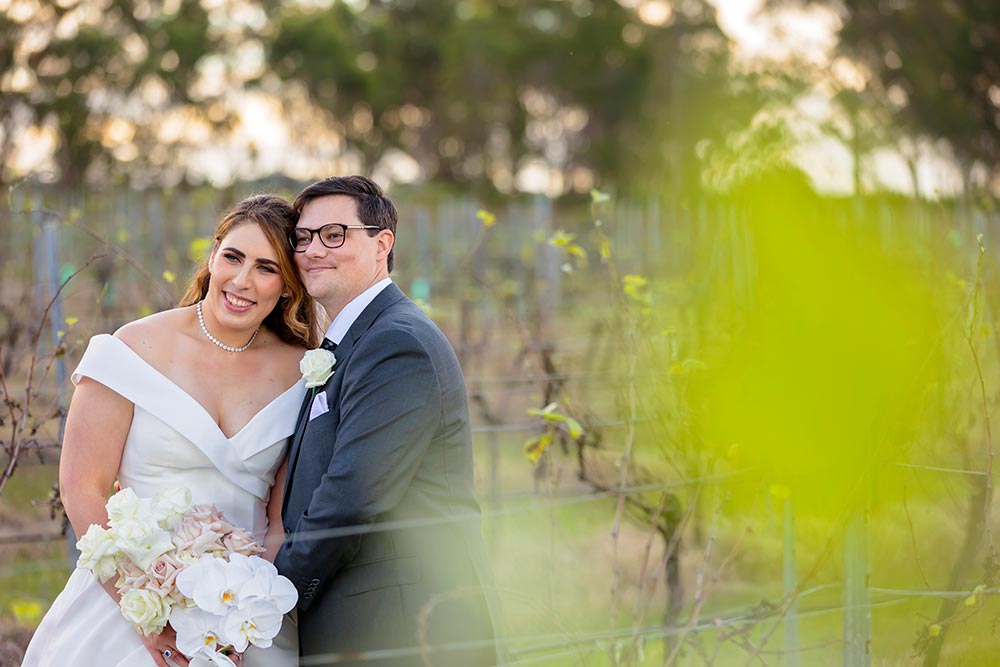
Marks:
<point>319,426</point>
<point>365,577</point>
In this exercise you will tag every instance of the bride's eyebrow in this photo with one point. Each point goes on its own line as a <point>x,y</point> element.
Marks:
<point>259,260</point>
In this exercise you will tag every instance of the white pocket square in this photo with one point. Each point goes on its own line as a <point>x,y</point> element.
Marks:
<point>319,406</point>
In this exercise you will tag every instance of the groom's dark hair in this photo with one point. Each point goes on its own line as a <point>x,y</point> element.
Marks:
<point>374,207</point>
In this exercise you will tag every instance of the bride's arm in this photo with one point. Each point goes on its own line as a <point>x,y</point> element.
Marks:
<point>97,425</point>
<point>275,528</point>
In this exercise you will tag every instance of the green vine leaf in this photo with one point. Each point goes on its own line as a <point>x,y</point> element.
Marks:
<point>535,447</point>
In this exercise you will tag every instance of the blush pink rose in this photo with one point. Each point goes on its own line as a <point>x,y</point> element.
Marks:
<point>209,515</point>
<point>194,538</point>
<point>205,513</point>
<point>131,577</point>
<point>162,574</point>
<point>241,542</point>
<point>186,531</point>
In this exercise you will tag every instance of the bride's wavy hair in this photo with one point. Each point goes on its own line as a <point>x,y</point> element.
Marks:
<point>294,320</point>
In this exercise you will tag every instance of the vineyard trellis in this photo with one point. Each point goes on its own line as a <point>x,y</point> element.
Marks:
<point>437,229</point>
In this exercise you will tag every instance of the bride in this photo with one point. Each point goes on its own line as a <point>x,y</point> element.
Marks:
<point>203,396</point>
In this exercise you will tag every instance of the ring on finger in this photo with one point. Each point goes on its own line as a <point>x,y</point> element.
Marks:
<point>167,653</point>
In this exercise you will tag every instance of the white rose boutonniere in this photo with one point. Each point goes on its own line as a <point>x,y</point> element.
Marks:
<point>317,367</point>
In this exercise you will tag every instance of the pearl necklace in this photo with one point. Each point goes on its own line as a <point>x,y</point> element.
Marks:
<point>227,348</point>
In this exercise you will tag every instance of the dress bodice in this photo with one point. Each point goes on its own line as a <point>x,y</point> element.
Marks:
<point>174,442</point>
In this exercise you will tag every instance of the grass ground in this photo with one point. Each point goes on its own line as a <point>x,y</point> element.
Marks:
<point>554,562</point>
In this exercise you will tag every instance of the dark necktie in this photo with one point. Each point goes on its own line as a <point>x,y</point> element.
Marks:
<point>328,345</point>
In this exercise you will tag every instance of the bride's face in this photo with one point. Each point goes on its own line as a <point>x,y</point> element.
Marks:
<point>245,282</point>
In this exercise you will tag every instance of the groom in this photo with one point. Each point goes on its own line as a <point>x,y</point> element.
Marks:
<point>384,541</point>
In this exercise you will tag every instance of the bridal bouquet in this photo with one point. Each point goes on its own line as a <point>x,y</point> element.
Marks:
<point>186,565</point>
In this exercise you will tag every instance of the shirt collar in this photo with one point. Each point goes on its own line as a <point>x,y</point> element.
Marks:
<point>345,318</point>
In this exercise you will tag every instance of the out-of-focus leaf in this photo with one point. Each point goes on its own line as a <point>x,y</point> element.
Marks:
<point>535,447</point>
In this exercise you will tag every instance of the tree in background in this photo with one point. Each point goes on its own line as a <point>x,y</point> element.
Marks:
<point>470,92</point>
<point>473,90</point>
<point>119,85</point>
<point>935,66</point>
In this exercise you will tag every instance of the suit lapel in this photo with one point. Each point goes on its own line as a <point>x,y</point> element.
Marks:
<point>388,296</point>
<point>293,452</point>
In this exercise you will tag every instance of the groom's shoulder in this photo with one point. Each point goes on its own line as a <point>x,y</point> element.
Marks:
<point>406,319</point>
<point>407,312</point>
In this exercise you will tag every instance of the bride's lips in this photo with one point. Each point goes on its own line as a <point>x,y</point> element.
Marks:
<point>238,304</point>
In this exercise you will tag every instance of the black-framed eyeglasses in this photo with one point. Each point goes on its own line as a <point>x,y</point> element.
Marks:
<point>332,235</point>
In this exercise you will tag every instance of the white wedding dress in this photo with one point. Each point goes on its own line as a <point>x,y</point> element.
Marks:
<point>173,442</point>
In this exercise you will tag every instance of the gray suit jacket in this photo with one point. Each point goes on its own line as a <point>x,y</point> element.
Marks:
<point>384,541</point>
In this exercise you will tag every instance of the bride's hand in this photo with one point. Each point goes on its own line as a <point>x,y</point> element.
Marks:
<point>237,658</point>
<point>164,645</point>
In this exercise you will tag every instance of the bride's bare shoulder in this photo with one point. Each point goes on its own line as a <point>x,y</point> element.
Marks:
<point>151,335</point>
<point>284,359</point>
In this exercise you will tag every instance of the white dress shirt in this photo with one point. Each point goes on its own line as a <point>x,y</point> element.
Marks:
<point>345,318</point>
<point>338,329</point>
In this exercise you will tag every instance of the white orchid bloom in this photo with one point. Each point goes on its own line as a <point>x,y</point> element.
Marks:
<point>249,563</point>
<point>213,584</point>
<point>211,659</point>
<point>197,630</point>
<point>255,623</point>
<point>266,584</point>
<point>220,660</point>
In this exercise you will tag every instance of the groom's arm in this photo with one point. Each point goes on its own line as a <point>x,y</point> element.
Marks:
<point>390,409</point>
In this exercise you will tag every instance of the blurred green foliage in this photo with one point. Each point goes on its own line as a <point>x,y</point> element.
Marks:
<point>832,343</point>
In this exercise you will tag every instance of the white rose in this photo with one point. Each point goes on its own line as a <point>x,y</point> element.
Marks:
<point>142,541</point>
<point>317,367</point>
<point>170,505</point>
<point>146,610</point>
<point>98,552</point>
<point>123,505</point>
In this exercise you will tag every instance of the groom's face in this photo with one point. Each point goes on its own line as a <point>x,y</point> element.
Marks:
<point>334,276</point>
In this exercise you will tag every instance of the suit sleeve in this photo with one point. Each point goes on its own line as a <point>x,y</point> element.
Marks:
<point>390,410</point>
